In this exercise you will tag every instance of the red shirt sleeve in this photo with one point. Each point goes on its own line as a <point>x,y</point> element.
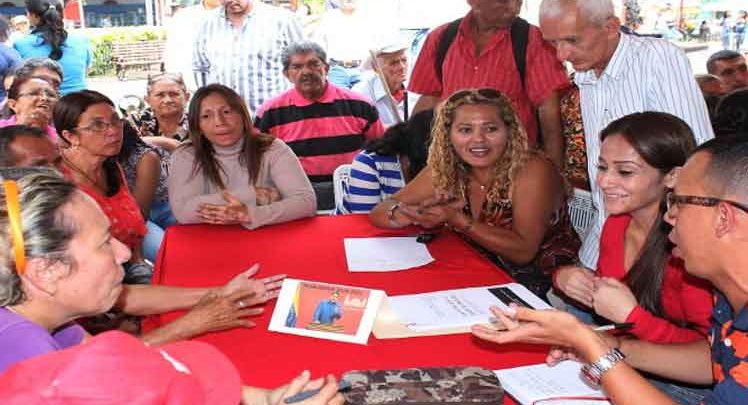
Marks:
<point>423,78</point>
<point>545,74</point>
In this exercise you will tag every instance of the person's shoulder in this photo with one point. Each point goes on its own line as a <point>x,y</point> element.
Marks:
<point>648,48</point>
<point>284,99</point>
<point>346,94</point>
<point>183,152</point>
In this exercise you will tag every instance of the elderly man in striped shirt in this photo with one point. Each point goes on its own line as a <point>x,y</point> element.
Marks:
<point>239,45</point>
<point>618,74</point>
<point>325,125</point>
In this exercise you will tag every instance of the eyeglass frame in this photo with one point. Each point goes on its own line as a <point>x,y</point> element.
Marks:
<point>52,95</point>
<point>120,123</point>
<point>672,199</point>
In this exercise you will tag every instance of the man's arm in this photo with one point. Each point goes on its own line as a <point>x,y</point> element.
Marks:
<point>550,127</point>
<point>425,103</point>
<point>687,362</point>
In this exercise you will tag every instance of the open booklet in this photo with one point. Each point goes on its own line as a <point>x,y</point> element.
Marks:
<point>448,312</point>
<point>544,385</point>
<point>326,311</point>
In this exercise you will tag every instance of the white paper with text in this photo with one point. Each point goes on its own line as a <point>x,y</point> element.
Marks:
<point>530,384</point>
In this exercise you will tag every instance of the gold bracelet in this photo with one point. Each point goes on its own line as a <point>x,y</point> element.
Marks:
<point>391,214</point>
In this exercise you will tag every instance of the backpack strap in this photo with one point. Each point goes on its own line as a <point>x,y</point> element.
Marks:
<point>442,48</point>
<point>520,33</point>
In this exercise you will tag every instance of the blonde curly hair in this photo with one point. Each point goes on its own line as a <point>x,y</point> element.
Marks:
<point>450,173</point>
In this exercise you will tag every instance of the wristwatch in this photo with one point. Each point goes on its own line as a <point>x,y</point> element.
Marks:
<point>593,372</point>
<point>391,213</point>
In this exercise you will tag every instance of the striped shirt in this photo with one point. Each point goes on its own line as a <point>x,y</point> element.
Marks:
<point>246,58</point>
<point>494,68</point>
<point>373,179</point>
<point>644,74</point>
<point>325,133</point>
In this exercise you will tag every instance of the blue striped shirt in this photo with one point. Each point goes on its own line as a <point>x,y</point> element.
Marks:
<point>373,179</point>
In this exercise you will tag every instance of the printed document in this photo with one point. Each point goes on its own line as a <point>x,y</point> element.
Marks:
<point>385,254</point>
<point>459,308</point>
<point>550,385</point>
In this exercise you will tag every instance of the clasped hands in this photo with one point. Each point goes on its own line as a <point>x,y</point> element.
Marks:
<point>432,212</point>
<point>235,211</point>
<point>608,297</point>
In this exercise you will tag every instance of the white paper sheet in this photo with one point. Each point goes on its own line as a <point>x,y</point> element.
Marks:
<point>456,308</point>
<point>385,254</point>
<point>534,383</point>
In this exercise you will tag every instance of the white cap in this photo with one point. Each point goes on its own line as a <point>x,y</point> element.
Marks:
<point>390,46</point>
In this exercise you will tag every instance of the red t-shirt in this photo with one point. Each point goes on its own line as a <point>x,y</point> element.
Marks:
<point>494,68</point>
<point>683,296</point>
<point>127,223</point>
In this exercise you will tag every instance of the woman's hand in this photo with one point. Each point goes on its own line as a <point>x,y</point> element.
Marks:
<point>577,283</point>
<point>233,212</point>
<point>215,312</point>
<point>328,394</point>
<point>264,289</point>
<point>433,212</point>
<point>613,299</point>
<point>266,195</point>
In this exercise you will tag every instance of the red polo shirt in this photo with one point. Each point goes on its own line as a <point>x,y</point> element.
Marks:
<point>494,67</point>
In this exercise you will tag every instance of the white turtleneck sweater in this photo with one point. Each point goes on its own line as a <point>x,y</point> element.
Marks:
<point>280,169</point>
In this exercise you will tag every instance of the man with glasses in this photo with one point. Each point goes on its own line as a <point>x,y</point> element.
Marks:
<point>325,125</point>
<point>708,210</point>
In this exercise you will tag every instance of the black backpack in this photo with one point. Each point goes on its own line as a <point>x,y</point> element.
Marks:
<point>519,32</point>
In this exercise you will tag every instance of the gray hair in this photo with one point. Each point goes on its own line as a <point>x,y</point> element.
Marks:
<point>299,48</point>
<point>593,11</point>
<point>28,67</point>
<point>46,230</point>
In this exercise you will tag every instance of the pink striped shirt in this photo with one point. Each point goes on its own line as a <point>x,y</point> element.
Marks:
<point>324,134</point>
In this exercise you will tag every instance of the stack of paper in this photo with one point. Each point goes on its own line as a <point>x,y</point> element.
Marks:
<point>385,254</point>
<point>550,385</point>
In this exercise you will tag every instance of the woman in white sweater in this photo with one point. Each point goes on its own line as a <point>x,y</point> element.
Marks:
<point>228,173</point>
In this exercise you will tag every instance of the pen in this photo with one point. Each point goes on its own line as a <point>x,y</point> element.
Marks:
<point>343,385</point>
<point>614,326</point>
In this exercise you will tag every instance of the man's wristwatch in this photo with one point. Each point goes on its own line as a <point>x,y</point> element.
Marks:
<point>593,372</point>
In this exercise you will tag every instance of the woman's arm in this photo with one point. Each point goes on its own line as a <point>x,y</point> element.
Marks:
<point>147,175</point>
<point>168,144</point>
<point>536,195</point>
<point>187,192</point>
<point>419,189</point>
<point>297,196</point>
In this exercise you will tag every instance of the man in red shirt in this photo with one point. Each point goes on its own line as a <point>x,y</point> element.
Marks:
<point>481,55</point>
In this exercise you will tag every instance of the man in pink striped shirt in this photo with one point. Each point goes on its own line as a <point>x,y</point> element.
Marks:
<point>325,125</point>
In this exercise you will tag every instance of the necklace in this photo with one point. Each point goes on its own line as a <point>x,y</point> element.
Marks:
<point>482,187</point>
<point>83,173</point>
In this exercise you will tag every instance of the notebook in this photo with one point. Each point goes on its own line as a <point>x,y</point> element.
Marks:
<point>543,385</point>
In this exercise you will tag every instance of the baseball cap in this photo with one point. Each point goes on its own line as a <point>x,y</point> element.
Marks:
<point>116,368</point>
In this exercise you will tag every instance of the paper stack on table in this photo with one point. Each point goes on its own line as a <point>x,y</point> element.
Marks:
<point>447,312</point>
<point>385,254</point>
<point>558,385</point>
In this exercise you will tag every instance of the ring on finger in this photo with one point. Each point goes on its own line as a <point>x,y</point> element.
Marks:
<point>241,304</point>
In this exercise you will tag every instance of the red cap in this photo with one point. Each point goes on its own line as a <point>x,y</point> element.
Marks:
<point>116,368</point>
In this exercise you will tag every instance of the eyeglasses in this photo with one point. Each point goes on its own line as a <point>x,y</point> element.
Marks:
<point>673,199</point>
<point>41,93</point>
<point>101,127</point>
<point>484,92</point>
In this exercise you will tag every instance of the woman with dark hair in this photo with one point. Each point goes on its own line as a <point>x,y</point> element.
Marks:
<point>638,279</point>
<point>483,181</point>
<point>146,169</point>
<point>31,101</point>
<point>9,58</point>
<point>387,163</point>
<point>230,174</point>
<point>49,39</point>
<point>91,134</point>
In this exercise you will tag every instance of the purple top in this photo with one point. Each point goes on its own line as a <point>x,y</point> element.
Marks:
<point>21,339</point>
<point>51,131</point>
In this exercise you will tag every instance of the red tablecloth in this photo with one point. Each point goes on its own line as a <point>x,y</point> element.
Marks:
<point>312,249</point>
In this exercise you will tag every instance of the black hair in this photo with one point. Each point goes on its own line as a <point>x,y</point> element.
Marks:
<point>50,27</point>
<point>8,135</point>
<point>727,168</point>
<point>718,56</point>
<point>4,28</point>
<point>664,141</point>
<point>731,113</point>
<point>411,138</point>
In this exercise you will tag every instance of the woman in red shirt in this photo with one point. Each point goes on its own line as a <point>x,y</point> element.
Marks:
<point>638,279</point>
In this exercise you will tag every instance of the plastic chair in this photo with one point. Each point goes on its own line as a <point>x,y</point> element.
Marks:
<point>582,211</point>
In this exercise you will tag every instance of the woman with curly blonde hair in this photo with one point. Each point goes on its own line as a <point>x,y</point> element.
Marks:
<point>483,181</point>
